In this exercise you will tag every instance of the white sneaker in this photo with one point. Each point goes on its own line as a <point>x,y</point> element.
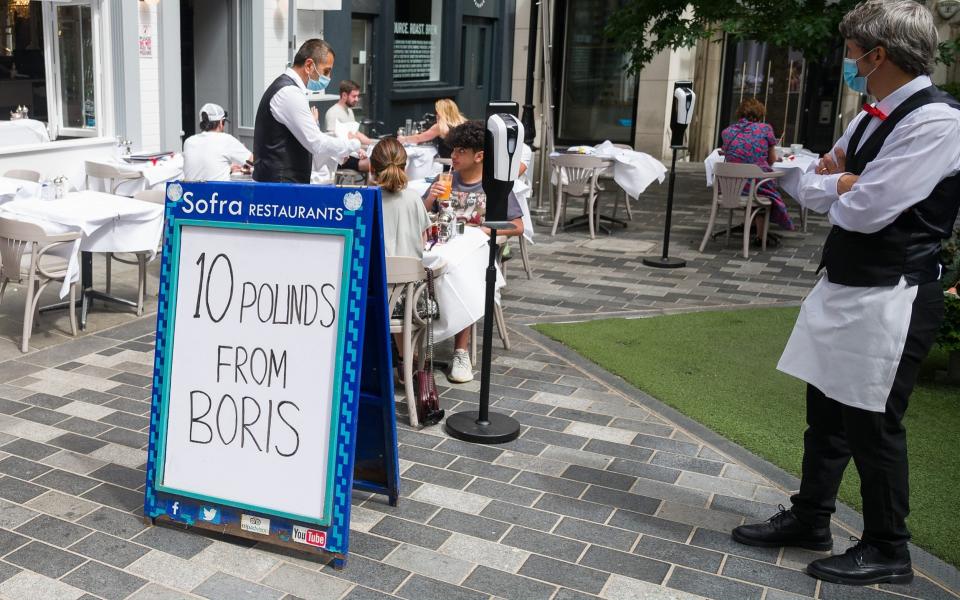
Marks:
<point>461,371</point>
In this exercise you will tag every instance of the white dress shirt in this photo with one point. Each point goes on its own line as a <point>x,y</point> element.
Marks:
<point>848,340</point>
<point>290,107</point>
<point>208,156</point>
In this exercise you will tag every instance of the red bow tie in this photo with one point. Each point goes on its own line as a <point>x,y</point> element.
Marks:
<point>873,111</point>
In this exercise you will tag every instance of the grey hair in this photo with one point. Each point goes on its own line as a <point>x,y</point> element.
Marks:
<point>904,28</point>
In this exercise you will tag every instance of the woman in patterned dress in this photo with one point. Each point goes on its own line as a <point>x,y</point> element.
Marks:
<point>752,141</point>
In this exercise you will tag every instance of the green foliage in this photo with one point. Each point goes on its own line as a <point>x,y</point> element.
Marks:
<point>644,28</point>
<point>949,335</point>
<point>952,88</point>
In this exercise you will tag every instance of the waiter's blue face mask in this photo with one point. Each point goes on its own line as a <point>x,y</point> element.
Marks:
<point>319,84</point>
<point>851,74</point>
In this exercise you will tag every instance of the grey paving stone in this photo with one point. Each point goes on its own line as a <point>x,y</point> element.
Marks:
<point>580,415</point>
<point>553,485</point>
<point>619,450</point>
<point>555,438</point>
<point>66,482</point>
<point>568,594</point>
<point>420,588</point>
<point>625,500</point>
<point>45,401</point>
<point>507,585</point>
<point>52,530</point>
<point>687,463</point>
<point>449,479</point>
<point>483,469</point>
<point>7,571</point>
<point>44,559</point>
<point>12,515</point>
<point>920,587</point>
<point>481,527</point>
<point>658,443</point>
<point>624,563</point>
<point>306,584</point>
<point>700,517</point>
<point>747,508</point>
<point>130,391</point>
<point>128,421</point>
<point>681,554</point>
<point>11,407</point>
<point>411,510</point>
<point>647,524</point>
<point>125,437</point>
<point>833,591</point>
<point>114,496</point>
<point>425,456</point>
<point>508,404</point>
<point>369,573</point>
<point>475,451</point>
<point>721,542</point>
<point>172,541</point>
<point>42,415</point>
<point>104,581</point>
<point>712,586</point>
<point>412,533</point>
<point>645,470</point>
<point>371,546</point>
<point>564,574</point>
<point>136,407</point>
<point>114,522</point>
<point>643,427</point>
<point>28,449</point>
<point>221,586</point>
<point>10,541</point>
<point>83,426</point>
<point>22,468</point>
<point>419,439</point>
<point>599,477</point>
<point>503,491</point>
<point>77,443</point>
<point>541,421</point>
<point>768,575</point>
<point>544,543</point>
<point>572,507</point>
<point>111,550</point>
<point>528,517</point>
<point>576,457</point>
<point>120,475</point>
<point>594,533</point>
<point>362,593</point>
<point>133,379</point>
<point>12,369</point>
<point>19,491</point>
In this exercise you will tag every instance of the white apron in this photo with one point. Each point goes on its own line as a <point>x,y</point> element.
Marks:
<point>848,341</point>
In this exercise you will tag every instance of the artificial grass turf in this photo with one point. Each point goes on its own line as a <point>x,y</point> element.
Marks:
<point>719,368</point>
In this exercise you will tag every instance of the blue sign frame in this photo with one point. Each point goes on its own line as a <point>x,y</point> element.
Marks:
<point>363,421</point>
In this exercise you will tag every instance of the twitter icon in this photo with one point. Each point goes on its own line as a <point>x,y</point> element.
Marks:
<point>209,514</point>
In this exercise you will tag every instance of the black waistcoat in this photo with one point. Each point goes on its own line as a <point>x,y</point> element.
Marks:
<point>277,154</point>
<point>908,247</point>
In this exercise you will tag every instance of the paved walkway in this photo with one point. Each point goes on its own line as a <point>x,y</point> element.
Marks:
<point>604,495</point>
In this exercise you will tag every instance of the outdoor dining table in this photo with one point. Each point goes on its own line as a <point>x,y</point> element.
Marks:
<point>461,287</point>
<point>107,223</point>
<point>23,132</point>
<point>10,186</point>
<point>151,175</point>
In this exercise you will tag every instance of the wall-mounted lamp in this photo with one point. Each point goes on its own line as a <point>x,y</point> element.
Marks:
<point>947,9</point>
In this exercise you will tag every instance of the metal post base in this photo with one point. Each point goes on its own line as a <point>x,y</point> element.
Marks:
<point>467,426</point>
<point>664,262</point>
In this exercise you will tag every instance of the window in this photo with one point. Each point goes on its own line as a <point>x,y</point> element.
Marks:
<point>597,96</point>
<point>248,99</point>
<point>49,63</point>
<point>417,40</point>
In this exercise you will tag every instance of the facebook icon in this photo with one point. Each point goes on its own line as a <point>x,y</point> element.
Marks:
<point>176,510</point>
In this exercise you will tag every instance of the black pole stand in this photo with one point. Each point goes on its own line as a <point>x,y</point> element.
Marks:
<point>483,426</point>
<point>666,261</point>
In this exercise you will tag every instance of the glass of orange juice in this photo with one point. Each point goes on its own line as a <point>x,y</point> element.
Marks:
<point>447,180</point>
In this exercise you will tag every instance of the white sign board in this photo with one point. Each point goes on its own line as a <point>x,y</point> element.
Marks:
<point>252,377</point>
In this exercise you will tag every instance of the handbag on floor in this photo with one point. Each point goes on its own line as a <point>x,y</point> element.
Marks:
<point>424,384</point>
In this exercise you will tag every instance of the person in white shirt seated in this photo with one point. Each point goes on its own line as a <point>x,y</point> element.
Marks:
<point>342,112</point>
<point>213,155</point>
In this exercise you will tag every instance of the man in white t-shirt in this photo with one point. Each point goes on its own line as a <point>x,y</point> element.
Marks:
<point>213,155</point>
<point>342,112</point>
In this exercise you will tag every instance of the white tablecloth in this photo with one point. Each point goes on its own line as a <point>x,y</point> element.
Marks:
<point>461,289</point>
<point>108,223</point>
<point>152,176</point>
<point>22,132</point>
<point>520,189</point>
<point>793,166</point>
<point>10,187</point>
<point>633,171</point>
<point>420,161</point>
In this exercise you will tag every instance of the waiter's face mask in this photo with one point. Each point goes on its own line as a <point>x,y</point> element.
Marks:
<point>851,74</point>
<point>320,83</point>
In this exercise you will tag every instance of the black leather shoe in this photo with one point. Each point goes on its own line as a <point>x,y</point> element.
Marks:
<point>862,564</point>
<point>784,529</point>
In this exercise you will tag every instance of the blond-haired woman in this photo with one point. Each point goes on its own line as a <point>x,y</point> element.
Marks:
<point>448,117</point>
<point>405,219</point>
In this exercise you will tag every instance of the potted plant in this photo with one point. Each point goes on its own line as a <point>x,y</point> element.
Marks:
<point>949,336</point>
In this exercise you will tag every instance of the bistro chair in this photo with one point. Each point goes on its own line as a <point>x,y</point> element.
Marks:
<point>112,176</point>
<point>735,188</point>
<point>25,174</point>
<point>406,280</point>
<point>349,177</point>
<point>20,240</point>
<point>136,258</point>
<point>581,173</point>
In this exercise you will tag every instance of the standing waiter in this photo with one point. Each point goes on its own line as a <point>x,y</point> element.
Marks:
<point>286,138</point>
<point>891,190</point>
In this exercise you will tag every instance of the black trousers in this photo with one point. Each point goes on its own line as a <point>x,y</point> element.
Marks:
<point>876,441</point>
